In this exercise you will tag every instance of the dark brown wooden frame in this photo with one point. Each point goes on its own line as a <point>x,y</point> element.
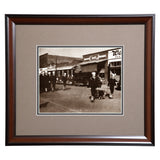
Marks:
<point>12,20</point>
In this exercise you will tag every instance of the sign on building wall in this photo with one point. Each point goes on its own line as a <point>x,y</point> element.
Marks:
<point>115,54</point>
<point>95,56</point>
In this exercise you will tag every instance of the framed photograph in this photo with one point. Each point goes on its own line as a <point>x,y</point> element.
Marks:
<point>80,79</point>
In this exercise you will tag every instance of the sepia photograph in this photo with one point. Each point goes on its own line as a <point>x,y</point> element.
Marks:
<point>79,80</point>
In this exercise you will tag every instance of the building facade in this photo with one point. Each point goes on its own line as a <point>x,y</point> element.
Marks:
<point>59,65</point>
<point>79,70</point>
<point>103,62</point>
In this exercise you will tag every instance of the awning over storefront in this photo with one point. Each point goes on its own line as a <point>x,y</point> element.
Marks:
<point>89,68</point>
<point>65,68</point>
<point>91,62</point>
<point>60,68</point>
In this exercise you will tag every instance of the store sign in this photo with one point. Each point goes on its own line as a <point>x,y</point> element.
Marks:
<point>95,57</point>
<point>114,54</point>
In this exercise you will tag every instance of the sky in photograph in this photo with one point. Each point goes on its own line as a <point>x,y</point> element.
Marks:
<point>71,51</point>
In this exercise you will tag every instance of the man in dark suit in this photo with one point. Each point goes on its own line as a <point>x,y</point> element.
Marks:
<point>42,81</point>
<point>93,84</point>
<point>46,82</point>
<point>64,79</point>
<point>53,81</point>
<point>112,83</point>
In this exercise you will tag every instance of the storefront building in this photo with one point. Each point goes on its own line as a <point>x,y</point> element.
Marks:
<point>103,62</point>
<point>78,71</point>
<point>115,62</point>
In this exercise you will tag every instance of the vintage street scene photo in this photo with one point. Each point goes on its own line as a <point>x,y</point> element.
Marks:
<point>79,80</point>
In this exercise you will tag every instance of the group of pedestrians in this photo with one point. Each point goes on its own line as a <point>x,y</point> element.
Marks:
<point>47,81</point>
<point>95,83</point>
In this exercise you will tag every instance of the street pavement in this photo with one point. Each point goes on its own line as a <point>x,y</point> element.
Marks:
<point>76,99</point>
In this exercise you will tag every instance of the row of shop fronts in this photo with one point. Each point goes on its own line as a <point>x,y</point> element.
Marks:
<point>101,62</point>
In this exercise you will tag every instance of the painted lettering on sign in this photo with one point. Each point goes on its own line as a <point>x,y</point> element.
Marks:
<point>114,54</point>
<point>95,57</point>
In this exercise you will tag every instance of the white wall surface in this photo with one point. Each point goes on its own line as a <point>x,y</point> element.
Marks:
<point>78,7</point>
